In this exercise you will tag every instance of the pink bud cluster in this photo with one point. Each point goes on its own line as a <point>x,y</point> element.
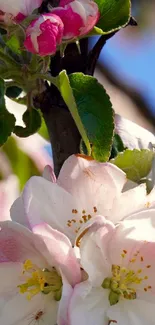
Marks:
<point>71,20</point>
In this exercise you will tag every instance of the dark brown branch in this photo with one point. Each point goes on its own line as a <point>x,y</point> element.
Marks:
<point>64,136</point>
<point>95,52</point>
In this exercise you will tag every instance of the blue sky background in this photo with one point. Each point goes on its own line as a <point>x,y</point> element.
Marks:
<point>133,61</point>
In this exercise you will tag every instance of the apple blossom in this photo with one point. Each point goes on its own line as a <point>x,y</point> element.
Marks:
<point>120,263</point>
<point>78,16</point>
<point>133,135</point>
<point>84,188</point>
<point>44,34</point>
<point>37,274</point>
<point>17,9</point>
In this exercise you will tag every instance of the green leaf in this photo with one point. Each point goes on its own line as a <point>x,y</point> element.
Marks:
<point>135,163</point>
<point>95,110</point>
<point>117,146</point>
<point>32,120</point>
<point>21,164</point>
<point>65,89</point>
<point>7,120</point>
<point>14,44</point>
<point>114,14</point>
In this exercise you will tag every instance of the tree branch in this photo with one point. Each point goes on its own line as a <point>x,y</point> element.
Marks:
<point>64,136</point>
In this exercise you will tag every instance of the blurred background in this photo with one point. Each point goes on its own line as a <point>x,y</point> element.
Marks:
<point>126,68</point>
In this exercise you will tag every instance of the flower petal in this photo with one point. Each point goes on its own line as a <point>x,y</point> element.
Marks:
<point>122,206</point>
<point>88,305</point>
<point>79,173</point>
<point>17,212</point>
<point>96,264</point>
<point>58,251</point>
<point>91,182</point>
<point>48,174</point>
<point>132,312</point>
<point>133,135</point>
<point>14,307</point>
<point>17,243</point>
<point>136,237</point>
<point>47,202</point>
<point>62,318</point>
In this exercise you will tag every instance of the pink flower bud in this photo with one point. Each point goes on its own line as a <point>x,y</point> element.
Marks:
<point>44,34</point>
<point>78,16</point>
<point>17,9</point>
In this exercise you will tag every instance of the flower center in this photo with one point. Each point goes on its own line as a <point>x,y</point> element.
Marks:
<point>124,281</point>
<point>40,280</point>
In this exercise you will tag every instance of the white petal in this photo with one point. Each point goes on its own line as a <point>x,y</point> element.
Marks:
<point>129,202</point>
<point>62,318</point>
<point>136,235</point>
<point>17,212</point>
<point>132,312</point>
<point>88,305</point>
<point>48,174</point>
<point>91,182</point>
<point>47,202</point>
<point>15,309</point>
<point>58,251</point>
<point>95,264</point>
<point>133,135</point>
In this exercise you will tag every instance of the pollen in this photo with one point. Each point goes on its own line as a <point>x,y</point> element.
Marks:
<point>95,209</point>
<point>142,259</point>
<point>124,280</point>
<point>40,281</point>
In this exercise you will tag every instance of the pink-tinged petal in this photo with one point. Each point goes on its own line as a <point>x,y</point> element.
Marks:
<point>9,279</point>
<point>79,17</point>
<point>122,206</point>
<point>48,174</point>
<point>79,171</point>
<point>72,21</point>
<point>91,182</point>
<point>58,251</point>
<point>18,214</point>
<point>136,237</point>
<point>132,312</point>
<point>44,34</point>
<point>47,202</point>
<point>62,317</point>
<point>133,135</point>
<point>17,243</point>
<point>19,8</point>
<point>88,305</point>
<point>9,191</point>
<point>96,265</point>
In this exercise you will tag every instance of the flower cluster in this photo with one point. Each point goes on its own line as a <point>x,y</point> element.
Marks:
<point>72,19</point>
<point>79,249</point>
